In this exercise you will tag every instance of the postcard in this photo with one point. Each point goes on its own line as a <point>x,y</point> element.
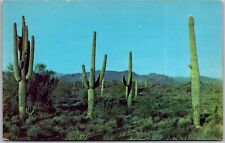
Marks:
<point>105,70</point>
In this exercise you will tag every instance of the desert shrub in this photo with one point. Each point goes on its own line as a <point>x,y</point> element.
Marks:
<point>62,119</point>
<point>34,132</point>
<point>144,107</point>
<point>82,95</point>
<point>15,130</point>
<point>30,120</point>
<point>10,101</point>
<point>46,123</point>
<point>116,109</point>
<point>41,85</point>
<point>76,135</point>
<point>111,124</point>
<point>147,124</point>
<point>6,126</point>
<point>183,122</point>
<point>210,131</point>
<point>156,136</point>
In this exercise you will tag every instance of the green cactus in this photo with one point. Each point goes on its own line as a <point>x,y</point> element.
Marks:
<point>23,64</point>
<point>102,88</point>
<point>92,84</point>
<point>195,82</point>
<point>128,83</point>
<point>136,89</point>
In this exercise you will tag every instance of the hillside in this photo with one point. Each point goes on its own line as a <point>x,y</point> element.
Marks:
<point>153,78</point>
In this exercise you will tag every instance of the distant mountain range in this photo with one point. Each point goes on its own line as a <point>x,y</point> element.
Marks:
<point>152,78</point>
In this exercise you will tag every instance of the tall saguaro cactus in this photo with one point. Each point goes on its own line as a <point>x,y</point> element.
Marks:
<point>92,84</point>
<point>128,83</point>
<point>23,64</point>
<point>195,83</point>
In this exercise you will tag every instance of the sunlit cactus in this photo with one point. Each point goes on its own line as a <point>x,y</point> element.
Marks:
<point>128,83</point>
<point>23,63</point>
<point>195,82</point>
<point>92,83</point>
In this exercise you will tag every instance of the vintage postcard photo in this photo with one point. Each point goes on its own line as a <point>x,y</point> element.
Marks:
<point>106,70</point>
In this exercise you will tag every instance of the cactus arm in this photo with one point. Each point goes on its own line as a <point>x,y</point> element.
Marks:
<point>31,59</point>
<point>124,81</point>
<point>129,78</point>
<point>84,77</point>
<point>130,87</point>
<point>101,75</point>
<point>128,83</point>
<point>24,61</point>
<point>93,52</point>
<point>15,65</point>
<point>27,56</point>
<point>103,68</point>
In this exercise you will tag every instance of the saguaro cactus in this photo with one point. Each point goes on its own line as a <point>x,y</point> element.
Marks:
<point>128,83</point>
<point>195,83</point>
<point>23,64</point>
<point>92,84</point>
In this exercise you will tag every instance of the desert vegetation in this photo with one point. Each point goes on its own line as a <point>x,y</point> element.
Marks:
<point>42,105</point>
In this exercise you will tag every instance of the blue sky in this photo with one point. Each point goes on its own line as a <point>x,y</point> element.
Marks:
<point>155,31</point>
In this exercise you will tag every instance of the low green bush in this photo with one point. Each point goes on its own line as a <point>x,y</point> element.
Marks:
<point>75,135</point>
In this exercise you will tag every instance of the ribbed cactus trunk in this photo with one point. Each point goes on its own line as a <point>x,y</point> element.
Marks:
<point>91,93</point>
<point>23,64</point>
<point>128,83</point>
<point>92,84</point>
<point>130,98</point>
<point>195,82</point>
<point>22,98</point>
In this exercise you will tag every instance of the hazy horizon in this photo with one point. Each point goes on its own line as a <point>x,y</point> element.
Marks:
<point>98,70</point>
<point>156,32</point>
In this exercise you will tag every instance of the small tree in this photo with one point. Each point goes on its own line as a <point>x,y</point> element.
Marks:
<point>42,83</point>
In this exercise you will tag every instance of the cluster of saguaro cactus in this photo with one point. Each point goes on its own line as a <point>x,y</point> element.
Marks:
<point>128,83</point>
<point>195,82</point>
<point>23,67</point>
<point>23,63</point>
<point>92,84</point>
